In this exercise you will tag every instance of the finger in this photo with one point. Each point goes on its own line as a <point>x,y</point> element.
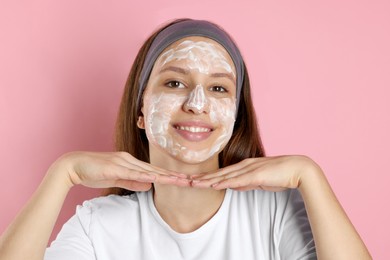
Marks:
<point>120,161</point>
<point>205,183</point>
<point>125,184</point>
<point>165,172</point>
<point>260,187</point>
<point>216,173</point>
<point>129,165</point>
<point>254,169</point>
<point>172,180</point>
<point>132,162</point>
<point>133,185</point>
<point>124,173</point>
<point>209,182</point>
<point>246,182</point>
<point>119,172</point>
<point>228,171</point>
<point>241,181</point>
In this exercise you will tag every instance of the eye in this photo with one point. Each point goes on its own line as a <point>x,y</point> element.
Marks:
<point>218,89</point>
<point>175,84</point>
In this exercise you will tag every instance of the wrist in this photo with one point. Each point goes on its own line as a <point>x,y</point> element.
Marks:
<point>59,171</point>
<point>309,173</point>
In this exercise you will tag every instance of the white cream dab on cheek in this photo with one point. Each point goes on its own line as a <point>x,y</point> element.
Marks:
<point>222,111</point>
<point>158,118</point>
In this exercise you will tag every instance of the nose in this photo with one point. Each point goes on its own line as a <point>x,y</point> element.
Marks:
<point>197,102</point>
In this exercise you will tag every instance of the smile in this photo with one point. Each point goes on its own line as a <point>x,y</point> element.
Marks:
<point>193,129</point>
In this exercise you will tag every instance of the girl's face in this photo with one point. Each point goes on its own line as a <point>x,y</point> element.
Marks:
<point>189,104</point>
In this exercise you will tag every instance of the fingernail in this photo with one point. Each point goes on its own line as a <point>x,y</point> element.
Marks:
<point>173,177</point>
<point>215,185</point>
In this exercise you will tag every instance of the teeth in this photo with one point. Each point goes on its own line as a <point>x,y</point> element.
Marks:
<point>194,129</point>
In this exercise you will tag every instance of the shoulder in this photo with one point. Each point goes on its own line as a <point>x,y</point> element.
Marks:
<point>261,196</point>
<point>111,201</point>
<point>269,203</point>
<point>109,208</point>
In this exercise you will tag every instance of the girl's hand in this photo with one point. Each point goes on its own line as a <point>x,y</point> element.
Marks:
<point>114,169</point>
<point>266,173</point>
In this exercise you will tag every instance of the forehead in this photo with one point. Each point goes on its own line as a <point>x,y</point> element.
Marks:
<point>197,45</point>
<point>197,40</point>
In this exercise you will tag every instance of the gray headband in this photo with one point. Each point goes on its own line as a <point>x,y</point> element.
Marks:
<point>184,29</point>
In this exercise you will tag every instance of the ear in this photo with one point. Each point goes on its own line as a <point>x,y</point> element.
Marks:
<point>141,122</point>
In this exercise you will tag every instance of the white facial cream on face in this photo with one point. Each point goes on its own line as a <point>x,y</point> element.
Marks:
<point>197,99</point>
<point>159,110</point>
<point>162,108</point>
<point>199,55</point>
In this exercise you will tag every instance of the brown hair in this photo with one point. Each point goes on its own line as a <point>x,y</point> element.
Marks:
<point>244,143</point>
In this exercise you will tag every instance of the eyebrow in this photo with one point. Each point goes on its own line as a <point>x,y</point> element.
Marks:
<point>185,72</point>
<point>223,75</point>
<point>175,69</point>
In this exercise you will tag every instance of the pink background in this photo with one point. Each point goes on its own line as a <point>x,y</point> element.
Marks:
<point>320,74</point>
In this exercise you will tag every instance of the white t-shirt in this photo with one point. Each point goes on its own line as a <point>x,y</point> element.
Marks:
<point>248,225</point>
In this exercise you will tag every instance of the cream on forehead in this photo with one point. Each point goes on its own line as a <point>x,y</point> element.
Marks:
<point>199,55</point>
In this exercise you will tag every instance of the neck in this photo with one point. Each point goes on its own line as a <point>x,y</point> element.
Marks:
<point>185,209</point>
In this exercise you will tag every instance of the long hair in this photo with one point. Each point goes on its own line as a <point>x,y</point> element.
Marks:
<point>244,143</point>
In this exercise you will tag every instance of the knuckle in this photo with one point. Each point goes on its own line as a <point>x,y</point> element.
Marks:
<point>122,154</point>
<point>107,173</point>
<point>248,160</point>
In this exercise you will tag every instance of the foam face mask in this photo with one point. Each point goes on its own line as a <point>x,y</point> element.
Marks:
<point>162,109</point>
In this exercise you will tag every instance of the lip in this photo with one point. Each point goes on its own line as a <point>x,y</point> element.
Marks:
<point>193,136</point>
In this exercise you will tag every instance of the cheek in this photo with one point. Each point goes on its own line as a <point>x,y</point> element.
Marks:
<point>223,112</point>
<point>158,111</point>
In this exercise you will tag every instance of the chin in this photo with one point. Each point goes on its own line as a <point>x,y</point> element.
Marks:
<point>191,153</point>
<point>194,157</point>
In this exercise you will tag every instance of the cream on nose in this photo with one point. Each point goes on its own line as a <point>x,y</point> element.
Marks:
<point>197,99</point>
